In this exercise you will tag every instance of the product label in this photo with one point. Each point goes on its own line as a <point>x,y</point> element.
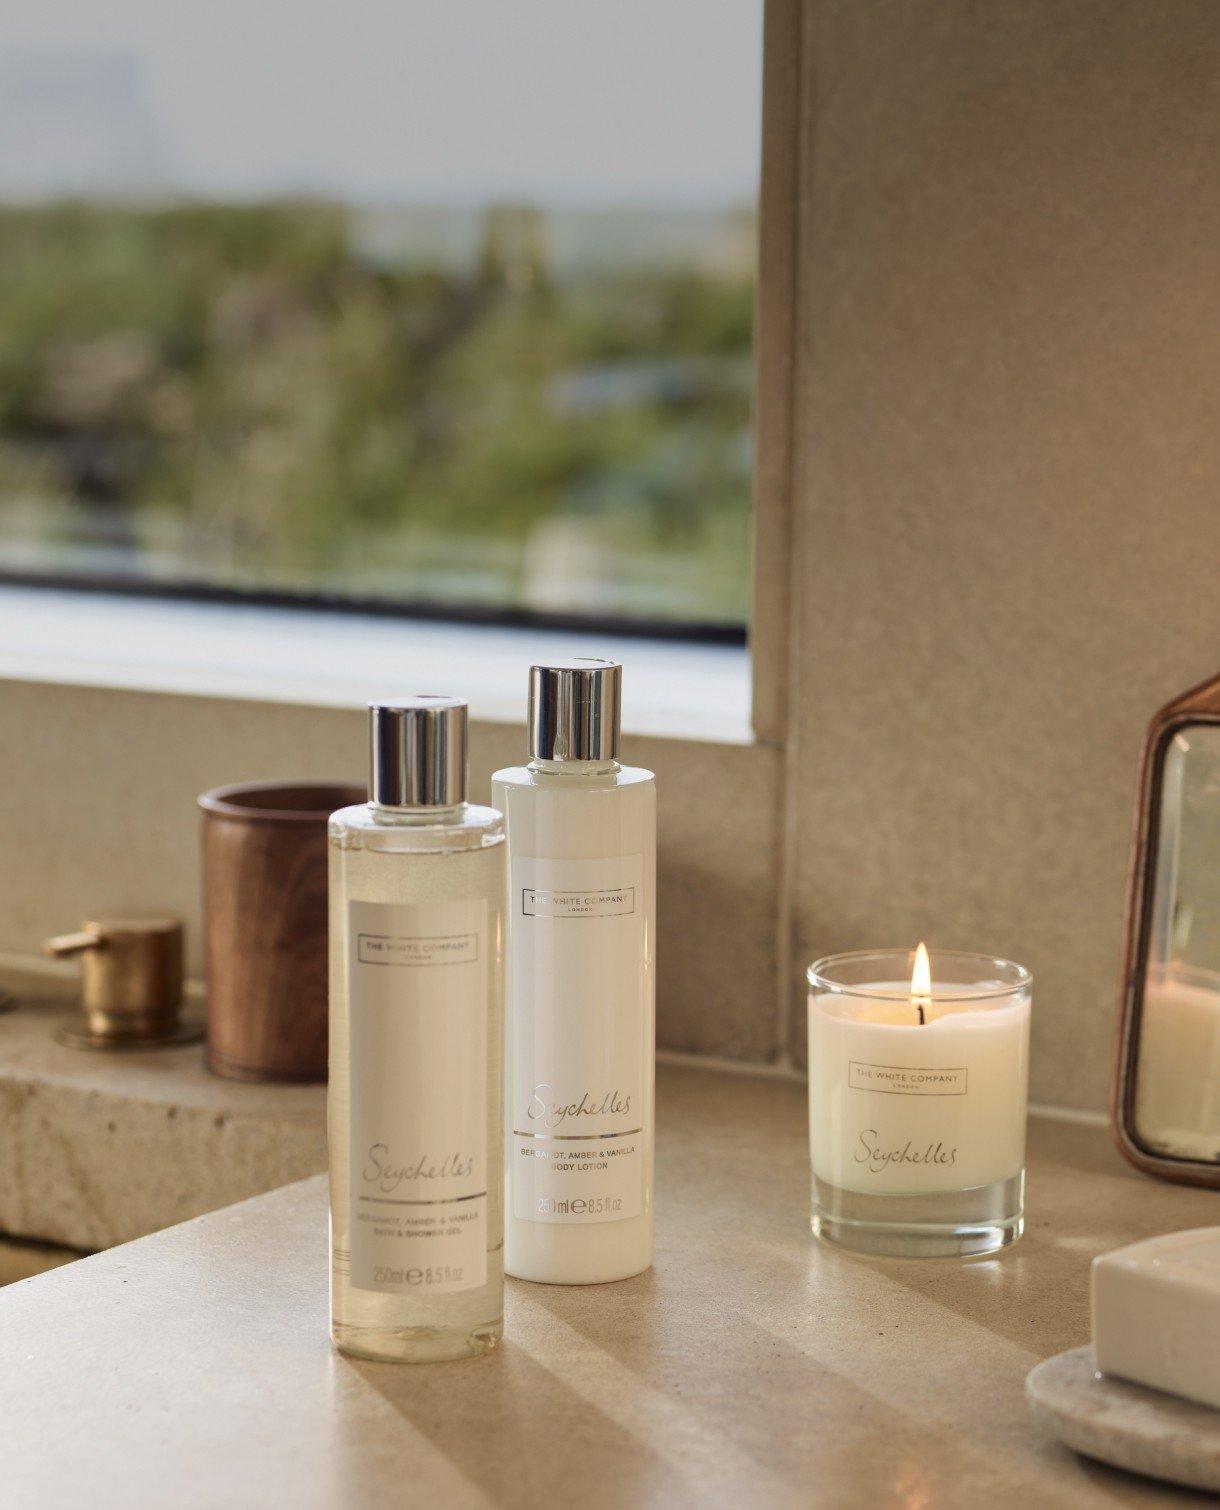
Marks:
<point>906,1080</point>
<point>417,984</point>
<point>581,1041</point>
<point>619,901</point>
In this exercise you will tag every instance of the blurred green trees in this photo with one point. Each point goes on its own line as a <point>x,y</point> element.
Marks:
<point>237,394</point>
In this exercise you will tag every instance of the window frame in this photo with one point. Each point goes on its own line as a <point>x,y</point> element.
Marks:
<point>773,517</point>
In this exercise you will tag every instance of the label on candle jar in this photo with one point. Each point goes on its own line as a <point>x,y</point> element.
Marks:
<point>578,1040</point>
<point>417,986</point>
<point>901,1080</point>
<point>898,1107</point>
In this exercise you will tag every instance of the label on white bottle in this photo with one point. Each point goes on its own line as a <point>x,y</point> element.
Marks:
<point>417,989</point>
<point>580,1039</point>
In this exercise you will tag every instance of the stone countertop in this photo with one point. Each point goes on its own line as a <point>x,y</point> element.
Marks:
<point>751,1367</point>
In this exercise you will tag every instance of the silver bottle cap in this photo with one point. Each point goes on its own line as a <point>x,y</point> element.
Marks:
<point>574,709</point>
<point>417,752</point>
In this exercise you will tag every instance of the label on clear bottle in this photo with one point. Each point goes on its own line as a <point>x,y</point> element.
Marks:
<point>581,1047</point>
<point>417,985</point>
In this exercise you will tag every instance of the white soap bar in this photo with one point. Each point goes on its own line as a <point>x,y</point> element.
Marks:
<point>1156,1313</point>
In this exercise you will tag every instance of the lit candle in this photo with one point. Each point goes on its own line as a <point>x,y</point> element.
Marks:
<point>917,1101</point>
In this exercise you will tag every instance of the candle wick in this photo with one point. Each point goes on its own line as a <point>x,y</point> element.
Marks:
<point>919,1008</point>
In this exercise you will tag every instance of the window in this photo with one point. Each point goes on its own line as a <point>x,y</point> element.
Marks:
<point>433,303</point>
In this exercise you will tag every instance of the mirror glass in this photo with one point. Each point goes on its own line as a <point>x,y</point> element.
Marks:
<point>1177,1089</point>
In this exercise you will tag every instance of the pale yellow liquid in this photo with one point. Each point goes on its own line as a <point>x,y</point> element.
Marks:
<point>381,856</point>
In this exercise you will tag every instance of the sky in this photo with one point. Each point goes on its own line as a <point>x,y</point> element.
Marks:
<point>563,102</point>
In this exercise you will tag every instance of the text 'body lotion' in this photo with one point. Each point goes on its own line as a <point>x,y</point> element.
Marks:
<point>415,1108</point>
<point>579,993</point>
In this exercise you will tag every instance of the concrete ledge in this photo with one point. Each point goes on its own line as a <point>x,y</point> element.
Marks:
<point>97,1149</point>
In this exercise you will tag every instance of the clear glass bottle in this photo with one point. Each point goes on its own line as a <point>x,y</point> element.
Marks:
<point>580,1023</point>
<point>416,1049</point>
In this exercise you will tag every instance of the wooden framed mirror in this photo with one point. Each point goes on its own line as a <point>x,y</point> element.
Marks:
<point>1165,1106</point>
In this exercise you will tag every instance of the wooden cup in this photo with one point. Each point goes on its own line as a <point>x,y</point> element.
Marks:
<point>265,932</point>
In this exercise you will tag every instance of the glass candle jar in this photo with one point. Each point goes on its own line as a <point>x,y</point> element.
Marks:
<point>918,1086</point>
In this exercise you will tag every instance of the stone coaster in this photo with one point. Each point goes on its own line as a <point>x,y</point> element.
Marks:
<point>1127,1425</point>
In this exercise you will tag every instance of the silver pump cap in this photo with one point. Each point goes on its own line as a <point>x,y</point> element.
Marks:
<point>417,752</point>
<point>574,709</point>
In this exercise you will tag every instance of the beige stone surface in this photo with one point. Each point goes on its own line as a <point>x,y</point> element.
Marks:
<point>97,1149</point>
<point>1008,473</point>
<point>127,842</point>
<point>749,1368</point>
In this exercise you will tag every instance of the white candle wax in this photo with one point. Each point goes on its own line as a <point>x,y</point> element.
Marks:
<point>1177,1105</point>
<point>900,1107</point>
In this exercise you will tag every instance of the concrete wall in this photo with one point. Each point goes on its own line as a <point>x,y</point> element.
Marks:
<point>1008,479</point>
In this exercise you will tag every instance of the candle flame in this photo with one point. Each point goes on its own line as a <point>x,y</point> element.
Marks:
<point>921,982</point>
<point>921,973</point>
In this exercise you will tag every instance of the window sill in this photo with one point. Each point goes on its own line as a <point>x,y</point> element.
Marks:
<point>298,656</point>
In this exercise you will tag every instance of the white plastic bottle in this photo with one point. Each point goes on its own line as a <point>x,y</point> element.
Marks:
<point>414,1115</point>
<point>580,1029</point>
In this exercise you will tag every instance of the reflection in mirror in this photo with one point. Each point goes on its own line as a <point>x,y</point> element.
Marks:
<point>1177,1092</point>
